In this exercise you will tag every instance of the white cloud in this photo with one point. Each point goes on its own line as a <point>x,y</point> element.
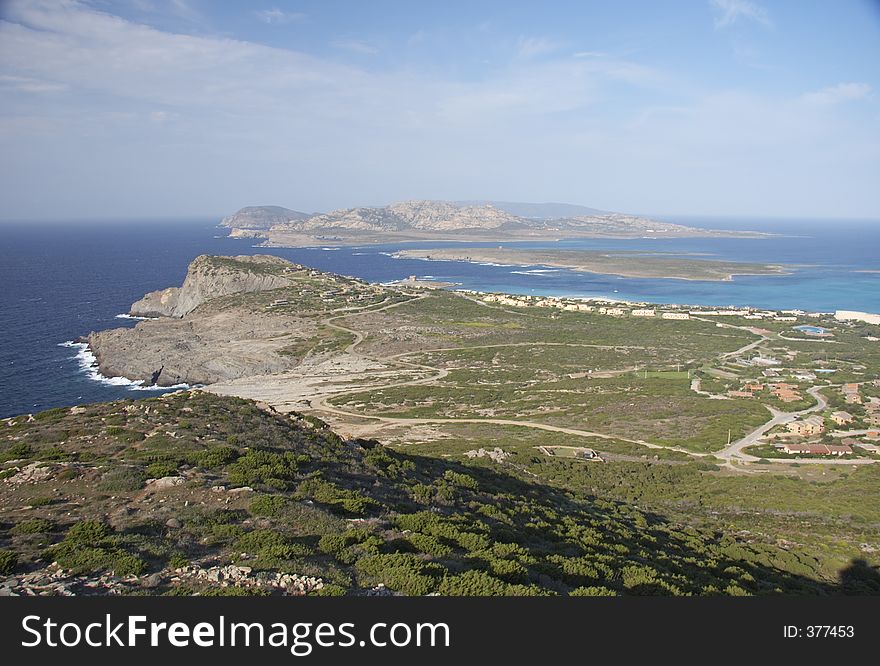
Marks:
<point>277,16</point>
<point>530,47</point>
<point>31,85</point>
<point>842,92</point>
<point>218,122</point>
<point>730,12</point>
<point>355,46</point>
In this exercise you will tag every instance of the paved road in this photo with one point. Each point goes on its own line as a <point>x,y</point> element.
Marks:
<point>735,450</point>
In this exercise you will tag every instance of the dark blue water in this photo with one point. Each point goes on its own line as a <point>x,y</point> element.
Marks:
<point>63,281</point>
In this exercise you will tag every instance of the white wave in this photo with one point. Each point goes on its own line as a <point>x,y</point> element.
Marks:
<point>135,317</point>
<point>537,271</point>
<point>89,365</point>
<point>328,249</point>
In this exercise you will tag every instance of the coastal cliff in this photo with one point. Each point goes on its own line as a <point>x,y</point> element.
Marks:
<point>210,277</point>
<point>202,334</point>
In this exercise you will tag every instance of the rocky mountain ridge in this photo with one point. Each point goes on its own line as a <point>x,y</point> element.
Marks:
<point>424,219</point>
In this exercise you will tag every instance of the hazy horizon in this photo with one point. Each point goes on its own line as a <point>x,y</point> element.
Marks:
<point>172,109</point>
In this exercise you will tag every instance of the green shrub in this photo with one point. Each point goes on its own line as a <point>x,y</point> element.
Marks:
<point>126,436</point>
<point>84,559</point>
<point>268,505</point>
<point>88,533</point>
<point>592,591</point>
<point>473,583</point>
<point>124,479</point>
<point>219,456</point>
<point>51,414</point>
<point>33,526</point>
<point>340,499</point>
<point>178,560</point>
<point>159,469</point>
<point>18,450</point>
<point>330,590</point>
<point>350,545</point>
<point>264,467</point>
<point>427,543</point>
<point>461,480</point>
<point>269,545</point>
<point>92,546</point>
<point>8,560</point>
<point>403,572</point>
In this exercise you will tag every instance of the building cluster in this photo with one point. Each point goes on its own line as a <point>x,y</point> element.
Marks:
<point>576,305</point>
<point>851,394</point>
<point>752,313</point>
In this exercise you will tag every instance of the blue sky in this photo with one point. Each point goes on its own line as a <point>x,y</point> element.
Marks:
<point>195,107</point>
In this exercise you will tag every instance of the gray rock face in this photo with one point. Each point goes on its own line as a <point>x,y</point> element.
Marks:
<point>205,347</point>
<point>419,215</point>
<point>212,277</point>
<point>198,338</point>
<point>156,304</point>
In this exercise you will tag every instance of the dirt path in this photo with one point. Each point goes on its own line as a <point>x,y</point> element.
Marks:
<point>353,372</point>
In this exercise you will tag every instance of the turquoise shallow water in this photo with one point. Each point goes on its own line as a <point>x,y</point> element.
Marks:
<point>62,281</point>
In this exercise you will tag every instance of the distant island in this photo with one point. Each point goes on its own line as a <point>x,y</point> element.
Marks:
<point>444,220</point>
<point>623,263</point>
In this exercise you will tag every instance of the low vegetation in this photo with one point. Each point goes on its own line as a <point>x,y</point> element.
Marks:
<point>283,494</point>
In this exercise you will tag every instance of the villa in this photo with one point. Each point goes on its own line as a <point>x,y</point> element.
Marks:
<point>814,425</point>
<point>819,449</point>
<point>842,418</point>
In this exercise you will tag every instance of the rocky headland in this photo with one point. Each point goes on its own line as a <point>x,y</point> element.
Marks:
<point>203,332</point>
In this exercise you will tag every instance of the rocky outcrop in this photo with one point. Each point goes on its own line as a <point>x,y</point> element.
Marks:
<point>262,217</point>
<point>196,336</point>
<point>207,346</point>
<point>211,277</point>
<point>156,304</point>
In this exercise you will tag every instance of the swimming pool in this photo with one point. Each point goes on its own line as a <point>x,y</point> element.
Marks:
<point>812,330</point>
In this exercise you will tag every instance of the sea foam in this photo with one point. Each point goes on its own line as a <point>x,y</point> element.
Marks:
<point>135,317</point>
<point>88,364</point>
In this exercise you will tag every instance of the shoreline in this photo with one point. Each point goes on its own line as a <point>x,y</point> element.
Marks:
<point>88,365</point>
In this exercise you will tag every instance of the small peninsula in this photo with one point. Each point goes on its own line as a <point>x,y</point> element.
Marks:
<point>624,263</point>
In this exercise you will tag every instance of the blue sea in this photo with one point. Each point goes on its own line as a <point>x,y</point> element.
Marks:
<point>62,280</point>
